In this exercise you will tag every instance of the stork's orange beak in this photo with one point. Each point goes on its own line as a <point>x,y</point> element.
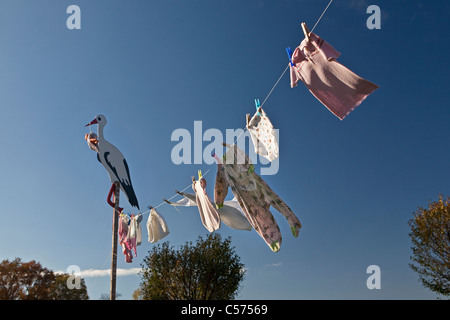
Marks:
<point>92,122</point>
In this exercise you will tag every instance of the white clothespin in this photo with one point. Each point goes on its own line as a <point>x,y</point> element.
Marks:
<point>305,30</point>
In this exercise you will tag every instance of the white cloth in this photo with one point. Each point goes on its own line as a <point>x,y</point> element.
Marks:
<point>187,201</point>
<point>233,216</point>
<point>134,229</point>
<point>231,213</point>
<point>208,213</point>
<point>156,226</point>
<point>263,135</point>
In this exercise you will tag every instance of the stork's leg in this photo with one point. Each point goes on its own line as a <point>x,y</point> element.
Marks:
<point>110,195</point>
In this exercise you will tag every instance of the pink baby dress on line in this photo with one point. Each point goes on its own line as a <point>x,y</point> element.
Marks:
<point>337,87</point>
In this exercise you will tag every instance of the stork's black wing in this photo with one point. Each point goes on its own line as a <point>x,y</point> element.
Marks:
<point>126,187</point>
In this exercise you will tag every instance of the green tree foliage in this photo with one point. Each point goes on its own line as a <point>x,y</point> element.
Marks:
<point>30,281</point>
<point>60,290</point>
<point>430,236</point>
<point>208,270</point>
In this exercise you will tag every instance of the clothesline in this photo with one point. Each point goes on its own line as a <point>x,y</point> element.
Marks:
<point>245,129</point>
<point>287,67</point>
<point>321,15</point>
<point>155,207</point>
<point>270,92</point>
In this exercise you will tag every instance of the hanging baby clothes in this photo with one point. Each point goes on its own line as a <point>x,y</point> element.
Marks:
<point>123,239</point>
<point>263,135</point>
<point>254,196</point>
<point>338,88</point>
<point>156,226</point>
<point>130,235</point>
<point>134,232</point>
<point>208,213</point>
<point>230,213</point>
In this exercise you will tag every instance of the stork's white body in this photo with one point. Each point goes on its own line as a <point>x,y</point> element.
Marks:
<point>114,162</point>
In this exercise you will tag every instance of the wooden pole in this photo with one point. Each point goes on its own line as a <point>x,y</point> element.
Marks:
<point>115,232</point>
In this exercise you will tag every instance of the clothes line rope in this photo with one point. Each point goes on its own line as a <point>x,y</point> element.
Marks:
<point>270,92</point>
<point>321,15</point>
<point>287,67</point>
<point>155,207</point>
<point>245,129</point>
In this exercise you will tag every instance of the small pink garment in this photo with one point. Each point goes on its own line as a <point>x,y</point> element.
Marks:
<point>130,235</point>
<point>123,238</point>
<point>338,88</point>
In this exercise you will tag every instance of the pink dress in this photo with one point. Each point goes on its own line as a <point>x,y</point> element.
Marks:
<point>123,238</point>
<point>130,235</point>
<point>338,88</point>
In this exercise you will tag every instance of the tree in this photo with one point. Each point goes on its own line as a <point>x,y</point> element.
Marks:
<point>209,270</point>
<point>107,296</point>
<point>30,281</point>
<point>430,236</point>
<point>60,290</point>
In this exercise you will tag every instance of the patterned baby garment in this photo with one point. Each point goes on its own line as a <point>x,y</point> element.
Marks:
<point>338,88</point>
<point>254,196</point>
<point>208,213</point>
<point>263,135</point>
<point>156,226</point>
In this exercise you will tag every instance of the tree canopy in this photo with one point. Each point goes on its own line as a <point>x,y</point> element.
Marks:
<point>430,236</point>
<point>208,270</point>
<point>30,281</point>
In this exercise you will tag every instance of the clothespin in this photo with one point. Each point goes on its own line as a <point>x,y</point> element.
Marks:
<point>289,53</point>
<point>199,174</point>
<point>305,30</point>
<point>150,207</point>
<point>258,105</point>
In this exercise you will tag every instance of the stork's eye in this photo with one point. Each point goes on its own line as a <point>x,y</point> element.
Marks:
<point>98,119</point>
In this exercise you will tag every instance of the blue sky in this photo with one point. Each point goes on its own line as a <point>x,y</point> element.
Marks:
<point>156,66</point>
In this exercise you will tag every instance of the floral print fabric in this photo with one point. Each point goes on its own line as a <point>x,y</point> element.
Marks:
<point>263,135</point>
<point>254,196</point>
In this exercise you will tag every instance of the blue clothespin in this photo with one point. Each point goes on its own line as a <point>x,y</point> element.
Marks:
<point>257,104</point>
<point>289,53</point>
